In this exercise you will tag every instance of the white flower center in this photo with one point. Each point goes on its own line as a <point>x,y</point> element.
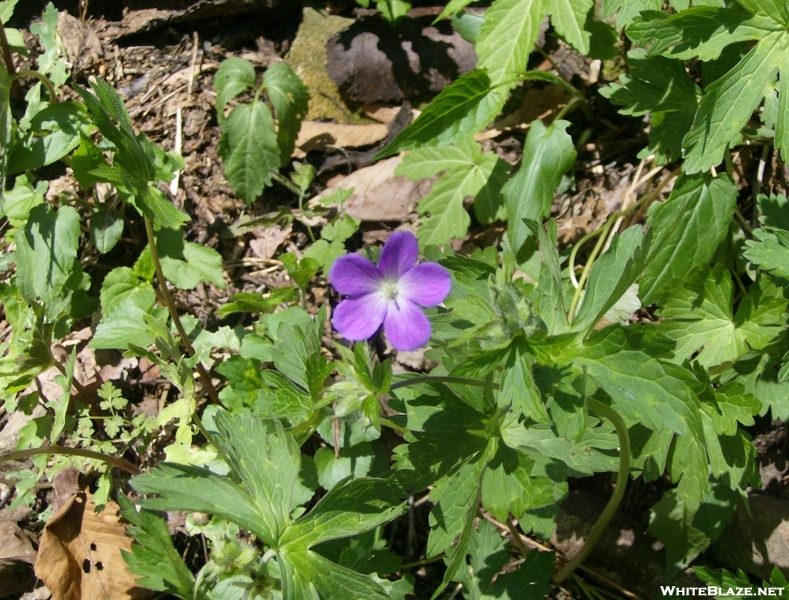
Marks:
<point>390,289</point>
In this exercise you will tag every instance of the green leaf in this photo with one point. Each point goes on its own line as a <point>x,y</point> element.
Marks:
<point>489,554</point>
<point>50,62</point>
<point>729,102</point>
<point>289,97</point>
<point>54,132</point>
<point>689,226</point>
<point>249,149</point>
<point>122,285</point>
<point>518,390</point>
<point>262,455</point>
<point>612,274</point>
<point>187,264</point>
<point>234,76</point>
<point>592,453</point>
<point>46,255</point>
<point>569,17</point>
<point>698,315</point>
<point>453,7</point>
<point>469,173</point>
<point>254,302</point>
<point>356,461</point>
<point>645,389</point>
<point>393,10</point>
<point>769,251</point>
<point>153,555</point>
<point>508,487</point>
<point>662,88</point>
<point>442,212</point>
<point>17,203</point>
<point>506,38</point>
<point>548,153</point>
<point>459,111</point>
<point>267,459</point>
<point>106,228</point>
<point>627,10</point>
<point>671,523</point>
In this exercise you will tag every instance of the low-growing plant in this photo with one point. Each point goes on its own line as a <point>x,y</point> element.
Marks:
<point>310,455</point>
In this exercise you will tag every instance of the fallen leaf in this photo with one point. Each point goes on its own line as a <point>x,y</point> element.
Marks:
<point>268,239</point>
<point>79,554</point>
<point>318,136</point>
<point>378,194</point>
<point>369,63</point>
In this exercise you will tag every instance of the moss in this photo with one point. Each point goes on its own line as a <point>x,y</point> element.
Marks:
<point>307,56</point>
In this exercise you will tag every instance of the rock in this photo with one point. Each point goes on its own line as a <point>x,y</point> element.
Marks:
<point>758,542</point>
<point>372,61</point>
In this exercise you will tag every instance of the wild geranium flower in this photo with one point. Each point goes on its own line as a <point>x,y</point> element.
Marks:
<point>391,293</point>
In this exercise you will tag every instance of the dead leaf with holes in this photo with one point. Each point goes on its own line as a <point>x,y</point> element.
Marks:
<point>79,555</point>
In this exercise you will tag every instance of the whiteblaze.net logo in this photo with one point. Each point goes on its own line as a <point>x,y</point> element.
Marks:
<point>714,591</point>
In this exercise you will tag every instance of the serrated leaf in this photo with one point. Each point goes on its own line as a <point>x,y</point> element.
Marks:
<point>506,38</point>
<point>662,88</point>
<point>627,10</point>
<point>393,10</point>
<point>249,149</point>
<point>267,459</point>
<point>428,161</point>
<point>518,390</point>
<point>612,275</point>
<point>698,316</point>
<point>153,555</point>
<point>769,252</point>
<point>729,102</point>
<point>459,111</point>
<point>442,212</point>
<point>234,76</point>
<point>290,97</point>
<point>689,226</point>
<point>569,17</point>
<point>548,153</point>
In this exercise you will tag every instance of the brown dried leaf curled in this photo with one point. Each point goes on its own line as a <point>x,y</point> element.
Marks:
<point>79,557</point>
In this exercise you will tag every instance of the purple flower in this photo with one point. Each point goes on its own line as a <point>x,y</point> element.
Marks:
<point>390,293</point>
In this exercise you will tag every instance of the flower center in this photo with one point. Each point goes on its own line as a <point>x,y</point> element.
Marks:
<point>390,289</point>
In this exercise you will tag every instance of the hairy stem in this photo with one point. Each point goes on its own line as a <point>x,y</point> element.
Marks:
<point>121,463</point>
<point>168,299</point>
<point>53,98</point>
<point>616,498</point>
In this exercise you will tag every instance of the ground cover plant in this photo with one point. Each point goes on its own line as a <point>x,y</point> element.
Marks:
<point>308,462</point>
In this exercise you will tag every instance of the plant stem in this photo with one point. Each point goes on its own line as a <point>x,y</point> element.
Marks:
<point>121,463</point>
<point>53,98</point>
<point>168,299</point>
<point>392,426</point>
<point>621,483</point>
<point>7,58</point>
<point>603,233</point>
<point>744,225</point>
<point>423,562</point>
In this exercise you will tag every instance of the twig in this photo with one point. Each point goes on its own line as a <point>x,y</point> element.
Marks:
<point>621,483</point>
<point>168,300</point>
<point>121,463</point>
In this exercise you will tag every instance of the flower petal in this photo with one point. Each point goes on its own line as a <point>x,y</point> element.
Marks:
<point>354,275</point>
<point>406,325</point>
<point>398,255</point>
<point>360,317</point>
<point>427,284</point>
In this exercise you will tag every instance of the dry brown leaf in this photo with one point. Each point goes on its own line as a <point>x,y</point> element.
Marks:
<point>317,136</point>
<point>378,194</point>
<point>79,555</point>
